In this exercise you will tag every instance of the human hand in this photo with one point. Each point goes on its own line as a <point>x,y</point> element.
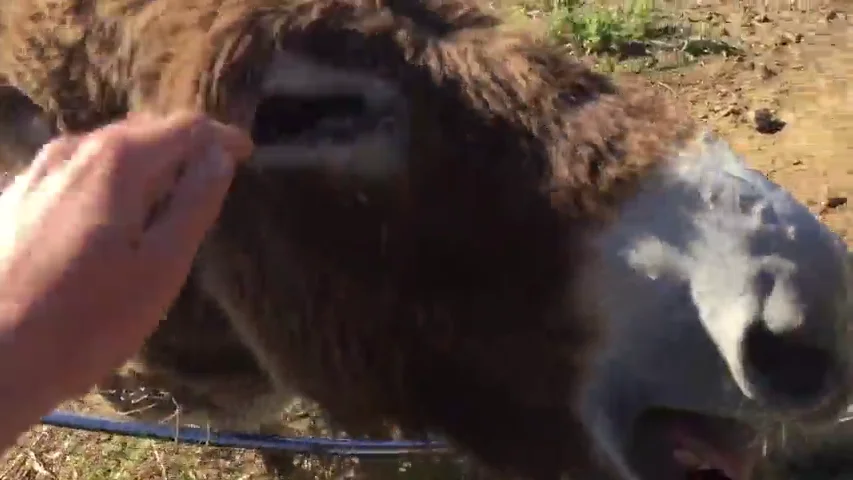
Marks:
<point>97,237</point>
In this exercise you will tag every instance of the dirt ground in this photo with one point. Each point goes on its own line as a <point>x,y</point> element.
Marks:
<point>798,64</point>
<point>795,61</point>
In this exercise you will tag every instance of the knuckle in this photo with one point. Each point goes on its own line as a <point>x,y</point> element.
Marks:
<point>53,154</point>
<point>107,143</point>
<point>190,120</point>
<point>57,145</point>
<point>51,149</point>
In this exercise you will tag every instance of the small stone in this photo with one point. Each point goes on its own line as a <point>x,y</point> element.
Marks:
<point>765,72</point>
<point>834,15</point>
<point>732,110</point>
<point>834,202</point>
<point>831,203</point>
<point>766,122</point>
<point>787,38</point>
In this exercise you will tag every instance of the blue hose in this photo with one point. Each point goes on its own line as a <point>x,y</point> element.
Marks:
<point>201,436</point>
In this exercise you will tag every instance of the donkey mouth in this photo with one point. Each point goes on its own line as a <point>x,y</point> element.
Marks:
<point>679,445</point>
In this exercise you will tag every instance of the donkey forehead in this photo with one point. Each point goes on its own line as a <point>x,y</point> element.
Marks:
<point>706,210</point>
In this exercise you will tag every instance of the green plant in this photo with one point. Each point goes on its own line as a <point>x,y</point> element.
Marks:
<point>601,29</point>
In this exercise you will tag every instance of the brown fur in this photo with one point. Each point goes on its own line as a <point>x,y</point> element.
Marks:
<point>24,129</point>
<point>448,300</point>
<point>194,356</point>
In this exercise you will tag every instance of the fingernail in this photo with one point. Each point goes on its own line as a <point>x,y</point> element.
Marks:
<point>234,140</point>
<point>218,161</point>
<point>141,114</point>
<point>134,118</point>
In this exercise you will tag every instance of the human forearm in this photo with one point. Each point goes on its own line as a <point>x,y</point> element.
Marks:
<point>45,358</point>
<point>29,352</point>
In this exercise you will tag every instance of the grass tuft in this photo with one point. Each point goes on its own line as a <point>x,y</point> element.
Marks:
<point>598,29</point>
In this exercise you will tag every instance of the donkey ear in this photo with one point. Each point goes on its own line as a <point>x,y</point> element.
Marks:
<point>24,128</point>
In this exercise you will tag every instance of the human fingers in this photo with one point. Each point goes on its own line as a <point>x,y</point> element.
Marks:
<point>233,140</point>
<point>195,203</point>
<point>168,139</point>
<point>207,135</point>
<point>49,158</point>
<point>142,156</point>
<point>134,146</point>
<point>145,145</point>
<point>203,133</point>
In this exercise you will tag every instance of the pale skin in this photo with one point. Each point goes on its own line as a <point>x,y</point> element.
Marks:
<point>96,239</point>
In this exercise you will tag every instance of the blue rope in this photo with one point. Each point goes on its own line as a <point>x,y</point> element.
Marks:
<point>200,436</point>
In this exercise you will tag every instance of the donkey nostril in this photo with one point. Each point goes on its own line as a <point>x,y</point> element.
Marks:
<point>785,369</point>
